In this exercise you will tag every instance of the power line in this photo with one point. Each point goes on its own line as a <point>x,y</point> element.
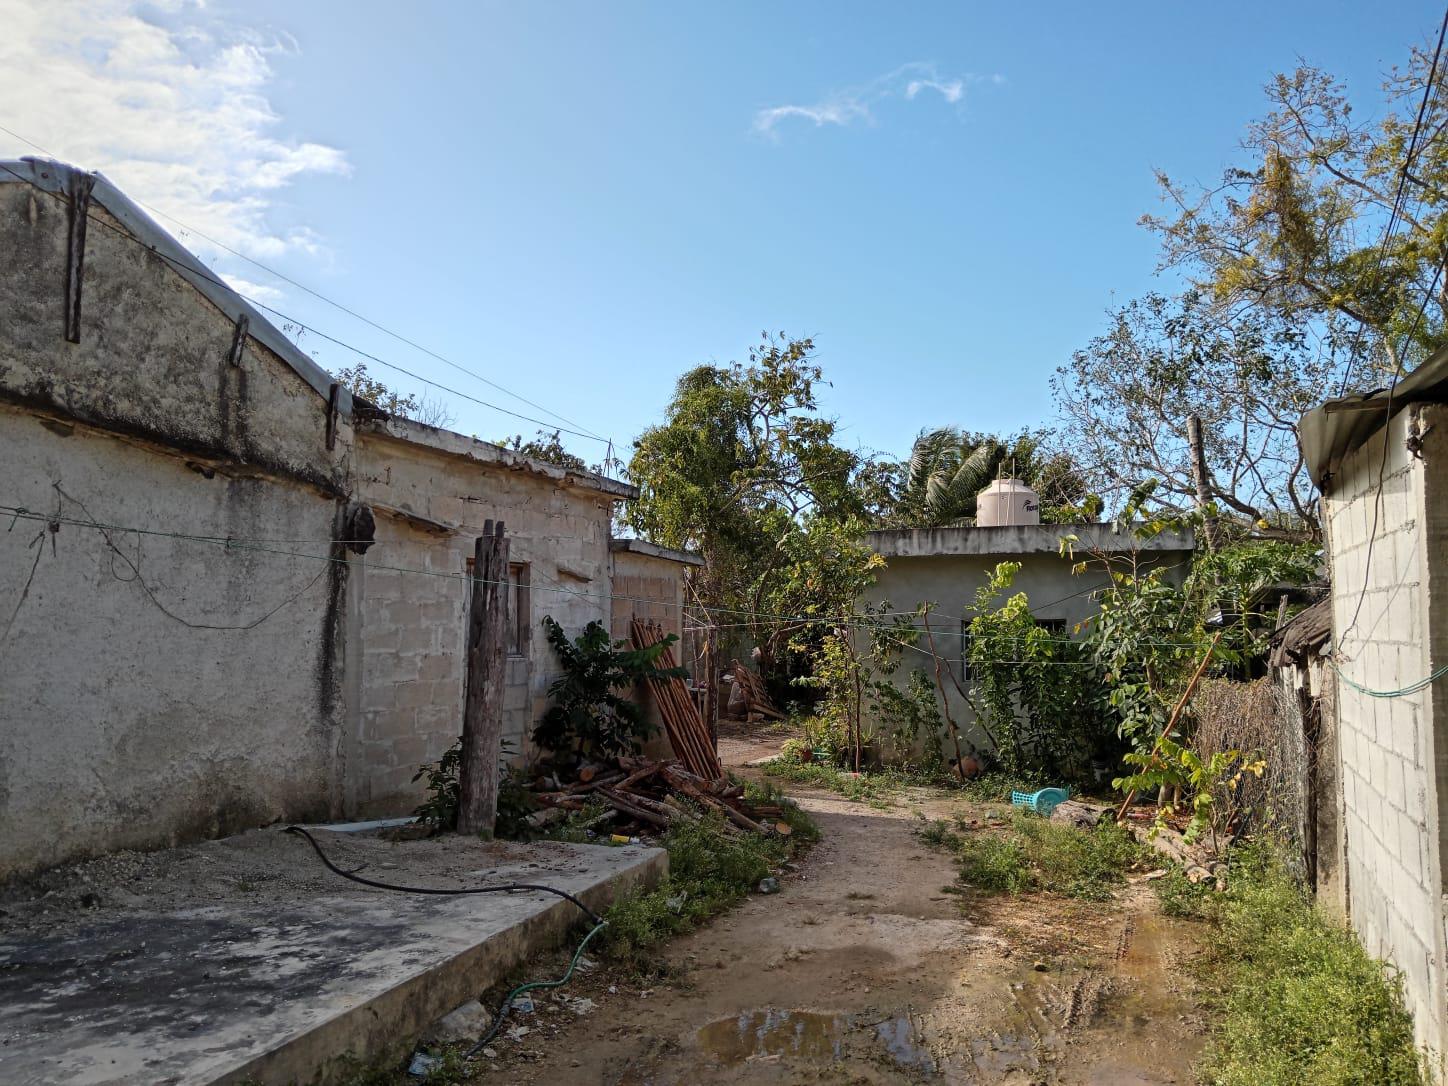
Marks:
<point>265,546</point>
<point>323,298</point>
<point>1402,187</point>
<point>287,318</point>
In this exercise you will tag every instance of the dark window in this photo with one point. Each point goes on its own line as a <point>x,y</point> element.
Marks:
<point>520,623</point>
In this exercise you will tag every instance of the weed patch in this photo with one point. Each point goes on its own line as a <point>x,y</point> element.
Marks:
<point>710,868</point>
<point>1035,854</point>
<point>876,787</point>
<point>1297,997</point>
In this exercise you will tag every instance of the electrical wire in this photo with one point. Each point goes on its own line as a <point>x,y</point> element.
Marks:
<point>1396,212</point>
<point>599,923</point>
<point>186,269</point>
<point>1411,688</point>
<point>245,544</point>
<point>443,891</point>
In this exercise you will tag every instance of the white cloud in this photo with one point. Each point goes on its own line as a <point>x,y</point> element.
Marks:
<point>861,103</point>
<point>169,103</point>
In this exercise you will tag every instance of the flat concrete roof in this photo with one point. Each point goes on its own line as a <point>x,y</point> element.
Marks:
<point>653,550</point>
<point>483,452</point>
<point>246,960</point>
<point>972,541</point>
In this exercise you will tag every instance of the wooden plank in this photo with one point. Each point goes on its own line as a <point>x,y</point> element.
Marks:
<point>483,714</point>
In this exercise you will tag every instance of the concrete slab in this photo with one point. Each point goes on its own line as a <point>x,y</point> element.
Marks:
<point>244,960</point>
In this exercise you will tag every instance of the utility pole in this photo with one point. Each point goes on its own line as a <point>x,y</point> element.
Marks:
<point>483,711</point>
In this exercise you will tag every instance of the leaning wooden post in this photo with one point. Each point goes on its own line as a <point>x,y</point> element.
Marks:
<point>483,713</point>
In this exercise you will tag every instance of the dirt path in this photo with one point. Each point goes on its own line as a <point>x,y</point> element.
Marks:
<point>863,969</point>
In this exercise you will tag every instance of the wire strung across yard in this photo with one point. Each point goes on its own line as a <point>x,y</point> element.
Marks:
<point>188,270</point>
<point>265,546</point>
<point>1411,688</point>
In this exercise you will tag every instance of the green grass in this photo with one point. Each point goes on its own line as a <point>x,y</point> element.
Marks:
<point>876,787</point>
<point>1296,997</point>
<point>710,869</point>
<point>1035,854</point>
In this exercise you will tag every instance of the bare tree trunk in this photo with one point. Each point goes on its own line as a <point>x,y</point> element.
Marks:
<point>483,714</point>
<point>1201,479</point>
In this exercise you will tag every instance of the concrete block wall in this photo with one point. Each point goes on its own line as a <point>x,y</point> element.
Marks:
<point>412,625</point>
<point>1387,746</point>
<point>652,588</point>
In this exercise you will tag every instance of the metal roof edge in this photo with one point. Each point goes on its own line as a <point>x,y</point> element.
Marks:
<point>1330,431</point>
<point>53,176</point>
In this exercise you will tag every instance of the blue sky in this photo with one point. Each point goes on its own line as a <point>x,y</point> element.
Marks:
<point>579,201</point>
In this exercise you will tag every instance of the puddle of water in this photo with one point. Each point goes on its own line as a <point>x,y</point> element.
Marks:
<point>806,1035</point>
<point>809,1036</point>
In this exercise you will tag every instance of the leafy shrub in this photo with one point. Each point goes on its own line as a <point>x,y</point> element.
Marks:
<point>440,809</point>
<point>588,720</point>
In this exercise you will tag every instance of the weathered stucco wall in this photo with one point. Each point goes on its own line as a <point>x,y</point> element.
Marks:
<point>156,689</point>
<point>913,575</point>
<point>133,709</point>
<point>1389,747</point>
<point>650,587</point>
<point>125,721</point>
<point>411,632</point>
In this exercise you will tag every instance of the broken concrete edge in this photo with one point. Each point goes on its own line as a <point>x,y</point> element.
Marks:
<point>386,1028</point>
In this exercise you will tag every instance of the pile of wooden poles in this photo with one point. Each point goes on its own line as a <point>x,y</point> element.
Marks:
<point>688,734</point>
<point>656,794</point>
<point>756,699</point>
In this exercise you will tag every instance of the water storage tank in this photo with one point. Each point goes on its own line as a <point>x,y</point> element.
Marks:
<point>1007,501</point>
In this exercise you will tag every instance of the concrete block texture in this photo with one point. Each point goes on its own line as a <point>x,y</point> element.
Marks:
<point>1387,573</point>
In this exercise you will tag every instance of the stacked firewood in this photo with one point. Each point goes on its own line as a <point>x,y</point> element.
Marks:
<point>686,730</point>
<point>656,794</point>
<point>757,702</point>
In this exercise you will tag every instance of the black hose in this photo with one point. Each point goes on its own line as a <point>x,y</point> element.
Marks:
<point>502,888</point>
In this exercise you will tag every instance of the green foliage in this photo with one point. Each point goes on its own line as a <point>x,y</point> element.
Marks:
<point>1297,998</point>
<point>1179,896</point>
<point>362,384</point>
<point>710,869</point>
<point>588,720</point>
<point>440,809</point>
<point>544,446</point>
<point>1037,693</point>
<point>1211,783</point>
<point>1036,854</point>
<point>873,787</point>
<point>747,472</point>
<point>948,468</point>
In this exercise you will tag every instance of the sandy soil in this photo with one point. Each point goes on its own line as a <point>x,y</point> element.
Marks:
<point>868,967</point>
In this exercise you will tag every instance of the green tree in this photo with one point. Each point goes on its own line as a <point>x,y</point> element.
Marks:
<point>362,384</point>
<point>544,446</point>
<point>949,467</point>
<point>746,471</point>
<point>1245,374</point>
<point>1297,228</point>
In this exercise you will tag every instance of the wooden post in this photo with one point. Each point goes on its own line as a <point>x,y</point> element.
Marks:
<point>483,714</point>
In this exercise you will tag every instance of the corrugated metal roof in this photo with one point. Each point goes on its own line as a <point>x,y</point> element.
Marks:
<point>1330,432</point>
